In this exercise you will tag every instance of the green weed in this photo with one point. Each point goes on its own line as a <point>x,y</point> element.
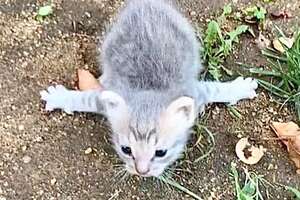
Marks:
<point>43,12</point>
<point>294,191</point>
<point>284,73</point>
<point>251,189</point>
<point>257,13</point>
<point>200,129</point>
<point>219,44</point>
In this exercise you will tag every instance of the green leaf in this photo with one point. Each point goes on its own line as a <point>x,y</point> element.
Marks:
<point>243,196</point>
<point>227,10</point>
<point>249,188</point>
<point>227,71</point>
<point>213,32</point>
<point>39,18</point>
<point>260,13</point>
<point>238,31</point>
<point>216,73</point>
<point>251,10</point>
<point>294,191</point>
<point>45,11</point>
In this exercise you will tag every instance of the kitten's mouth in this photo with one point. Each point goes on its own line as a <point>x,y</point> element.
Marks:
<point>144,175</point>
<point>133,171</point>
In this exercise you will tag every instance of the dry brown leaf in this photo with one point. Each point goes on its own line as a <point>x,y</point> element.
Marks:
<point>290,135</point>
<point>243,147</point>
<point>279,43</point>
<point>288,42</point>
<point>86,81</point>
<point>278,46</point>
<point>281,14</point>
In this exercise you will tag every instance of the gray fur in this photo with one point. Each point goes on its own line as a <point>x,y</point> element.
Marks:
<point>150,48</point>
<point>150,61</point>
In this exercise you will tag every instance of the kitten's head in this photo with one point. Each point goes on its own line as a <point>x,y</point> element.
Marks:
<point>149,138</point>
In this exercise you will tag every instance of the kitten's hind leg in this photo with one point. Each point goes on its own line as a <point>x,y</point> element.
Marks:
<point>58,97</point>
<point>227,92</point>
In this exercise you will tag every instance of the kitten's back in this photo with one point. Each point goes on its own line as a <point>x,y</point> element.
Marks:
<point>151,47</point>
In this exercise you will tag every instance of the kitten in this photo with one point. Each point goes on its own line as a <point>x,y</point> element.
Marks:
<point>150,60</point>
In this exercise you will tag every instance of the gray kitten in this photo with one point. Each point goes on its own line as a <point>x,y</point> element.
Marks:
<point>151,93</point>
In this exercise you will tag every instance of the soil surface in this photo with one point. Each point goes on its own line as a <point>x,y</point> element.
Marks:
<point>42,155</point>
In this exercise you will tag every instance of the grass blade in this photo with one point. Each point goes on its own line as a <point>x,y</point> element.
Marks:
<point>264,72</point>
<point>234,112</point>
<point>294,191</point>
<point>212,139</point>
<point>271,54</point>
<point>274,89</point>
<point>179,187</point>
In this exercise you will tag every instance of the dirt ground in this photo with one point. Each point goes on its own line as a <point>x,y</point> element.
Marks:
<point>42,155</point>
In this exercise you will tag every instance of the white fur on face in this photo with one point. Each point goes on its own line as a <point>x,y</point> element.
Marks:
<point>169,134</point>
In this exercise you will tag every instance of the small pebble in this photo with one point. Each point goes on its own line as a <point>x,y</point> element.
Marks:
<point>53,181</point>
<point>271,166</point>
<point>88,14</point>
<point>26,159</point>
<point>21,127</point>
<point>88,150</point>
<point>39,139</point>
<point>24,148</point>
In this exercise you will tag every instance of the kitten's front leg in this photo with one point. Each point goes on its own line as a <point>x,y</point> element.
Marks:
<point>58,97</point>
<point>227,92</point>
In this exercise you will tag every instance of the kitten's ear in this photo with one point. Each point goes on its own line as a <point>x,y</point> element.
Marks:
<point>178,116</point>
<point>182,108</point>
<point>115,106</point>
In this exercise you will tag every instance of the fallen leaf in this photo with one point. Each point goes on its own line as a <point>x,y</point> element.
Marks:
<point>281,43</point>
<point>278,46</point>
<point>45,10</point>
<point>86,81</point>
<point>288,42</point>
<point>281,14</point>
<point>88,150</point>
<point>289,133</point>
<point>248,153</point>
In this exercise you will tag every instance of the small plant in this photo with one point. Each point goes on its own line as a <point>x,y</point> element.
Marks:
<point>199,130</point>
<point>255,13</point>
<point>219,45</point>
<point>284,73</point>
<point>250,190</point>
<point>43,12</point>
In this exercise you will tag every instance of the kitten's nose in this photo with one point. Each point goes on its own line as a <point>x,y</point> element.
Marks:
<point>142,169</point>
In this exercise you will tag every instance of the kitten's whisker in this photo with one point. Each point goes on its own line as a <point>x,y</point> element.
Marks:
<point>164,177</point>
<point>125,177</point>
<point>120,165</point>
<point>119,173</point>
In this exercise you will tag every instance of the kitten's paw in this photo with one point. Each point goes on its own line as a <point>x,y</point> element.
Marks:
<point>56,97</point>
<point>243,89</point>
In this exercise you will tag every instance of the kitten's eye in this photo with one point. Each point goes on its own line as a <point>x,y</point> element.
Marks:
<point>160,153</point>
<point>126,150</point>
